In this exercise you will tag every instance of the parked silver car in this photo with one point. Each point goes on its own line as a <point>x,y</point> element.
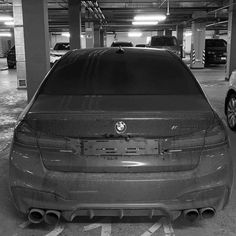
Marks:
<point>230,102</point>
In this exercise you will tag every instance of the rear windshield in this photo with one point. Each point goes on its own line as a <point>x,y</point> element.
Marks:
<point>107,72</point>
<point>163,41</point>
<point>216,43</point>
<point>62,46</point>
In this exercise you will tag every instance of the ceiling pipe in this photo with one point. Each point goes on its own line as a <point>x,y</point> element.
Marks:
<point>221,8</point>
<point>96,10</point>
<point>168,8</point>
<point>162,3</point>
<point>217,23</point>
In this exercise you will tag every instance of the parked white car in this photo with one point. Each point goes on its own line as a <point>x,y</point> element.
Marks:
<point>230,102</point>
<point>58,51</point>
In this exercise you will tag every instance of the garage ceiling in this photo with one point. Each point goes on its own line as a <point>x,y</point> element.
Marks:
<point>119,14</point>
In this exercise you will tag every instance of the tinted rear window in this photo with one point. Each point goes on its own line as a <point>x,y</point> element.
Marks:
<point>163,41</point>
<point>62,46</point>
<point>122,44</point>
<point>216,43</point>
<point>106,72</point>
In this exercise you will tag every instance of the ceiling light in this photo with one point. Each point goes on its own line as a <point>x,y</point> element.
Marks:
<point>9,23</point>
<point>150,18</point>
<point>188,33</point>
<point>135,34</point>
<point>5,34</point>
<point>6,18</point>
<point>144,22</point>
<point>65,34</point>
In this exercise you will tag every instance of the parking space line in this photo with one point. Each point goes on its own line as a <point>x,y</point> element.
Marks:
<point>152,230</point>
<point>56,231</point>
<point>24,224</point>
<point>92,226</point>
<point>168,229</point>
<point>106,228</point>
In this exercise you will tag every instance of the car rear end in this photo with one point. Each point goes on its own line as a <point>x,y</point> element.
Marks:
<point>122,44</point>
<point>59,50</point>
<point>216,51</point>
<point>106,147</point>
<point>166,42</point>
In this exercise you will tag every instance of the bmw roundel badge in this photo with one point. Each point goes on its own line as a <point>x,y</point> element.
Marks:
<point>120,127</point>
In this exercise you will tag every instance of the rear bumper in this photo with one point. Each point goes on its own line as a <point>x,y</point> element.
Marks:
<point>116,194</point>
<point>215,60</point>
<point>213,197</point>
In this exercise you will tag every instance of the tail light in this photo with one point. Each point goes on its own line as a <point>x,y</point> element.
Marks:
<point>25,135</point>
<point>216,134</point>
<point>181,143</point>
<point>194,140</point>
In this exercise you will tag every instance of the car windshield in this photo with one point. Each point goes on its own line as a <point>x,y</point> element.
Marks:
<point>216,43</point>
<point>116,72</point>
<point>163,41</point>
<point>122,44</point>
<point>62,46</point>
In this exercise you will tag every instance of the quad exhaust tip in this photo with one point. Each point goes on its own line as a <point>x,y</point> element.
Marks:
<point>194,214</point>
<point>35,216</point>
<point>52,217</point>
<point>191,214</point>
<point>207,212</point>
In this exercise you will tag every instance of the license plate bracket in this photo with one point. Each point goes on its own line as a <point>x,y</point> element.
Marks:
<point>120,147</point>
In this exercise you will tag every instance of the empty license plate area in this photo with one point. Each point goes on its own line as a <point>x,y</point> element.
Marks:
<point>120,147</point>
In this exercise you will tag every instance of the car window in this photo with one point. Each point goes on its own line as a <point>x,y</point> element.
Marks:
<point>163,41</point>
<point>122,44</point>
<point>62,46</point>
<point>106,72</point>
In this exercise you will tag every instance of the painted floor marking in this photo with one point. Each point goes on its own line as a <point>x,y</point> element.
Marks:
<point>152,230</point>
<point>24,224</point>
<point>106,228</point>
<point>56,231</point>
<point>163,223</point>
<point>168,229</point>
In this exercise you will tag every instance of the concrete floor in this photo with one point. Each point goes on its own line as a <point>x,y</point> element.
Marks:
<point>12,101</point>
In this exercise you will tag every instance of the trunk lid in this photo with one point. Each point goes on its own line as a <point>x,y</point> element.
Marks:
<point>163,133</point>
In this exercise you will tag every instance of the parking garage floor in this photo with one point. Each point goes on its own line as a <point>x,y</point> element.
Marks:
<point>12,102</point>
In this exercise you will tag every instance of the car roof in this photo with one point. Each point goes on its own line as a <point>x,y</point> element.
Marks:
<point>93,52</point>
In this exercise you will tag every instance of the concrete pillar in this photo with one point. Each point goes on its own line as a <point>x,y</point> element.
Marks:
<point>198,45</point>
<point>19,44</point>
<point>180,36</point>
<point>89,34</point>
<point>102,37</point>
<point>168,32</point>
<point>75,23</point>
<point>36,37</point>
<point>96,36</point>
<point>231,46</point>
<point>160,32</point>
